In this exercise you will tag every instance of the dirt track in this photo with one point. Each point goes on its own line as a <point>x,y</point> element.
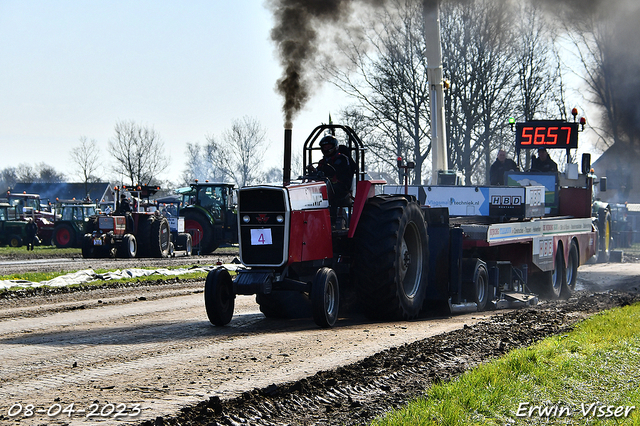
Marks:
<point>153,346</point>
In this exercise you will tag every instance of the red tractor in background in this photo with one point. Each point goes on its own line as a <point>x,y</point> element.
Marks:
<point>139,230</point>
<point>298,256</point>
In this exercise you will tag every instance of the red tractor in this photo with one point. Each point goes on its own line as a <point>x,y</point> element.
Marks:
<point>141,232</point>
<point>297,256</point>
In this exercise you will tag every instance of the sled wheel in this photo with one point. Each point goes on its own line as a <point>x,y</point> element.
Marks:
<point>569,284</point>
<point>481,286</point>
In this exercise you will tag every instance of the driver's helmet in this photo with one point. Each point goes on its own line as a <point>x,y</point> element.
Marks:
<point>329,145</point>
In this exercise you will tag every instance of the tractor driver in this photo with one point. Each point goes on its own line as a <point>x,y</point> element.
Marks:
<point>125,205</point>
<point>336,167</point>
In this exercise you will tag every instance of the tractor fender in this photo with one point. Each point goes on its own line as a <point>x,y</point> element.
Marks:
<point>365,189</point>
<point>200,210</point>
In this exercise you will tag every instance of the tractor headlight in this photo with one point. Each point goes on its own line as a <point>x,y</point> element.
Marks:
<point>280,218</point>
<point>246,218</point>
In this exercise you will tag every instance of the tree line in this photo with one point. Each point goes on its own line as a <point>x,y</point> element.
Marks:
<point>501,59</point>
<point>138,156</point>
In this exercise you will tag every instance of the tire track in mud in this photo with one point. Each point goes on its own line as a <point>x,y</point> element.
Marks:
<point>355,394</point>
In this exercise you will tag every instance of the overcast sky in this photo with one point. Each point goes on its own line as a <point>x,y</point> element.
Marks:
<point>72,68</point>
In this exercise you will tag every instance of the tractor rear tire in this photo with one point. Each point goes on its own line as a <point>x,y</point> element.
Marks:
<point>15,241</point>
<point>144,235</point>
<point>201,230</point>
<point>325,297</point>
<point>128,247</point>
<point>160,238</point>
<point>219,299</point>
<point>391,258</point>
<point>605,243</point>
<point>64,236</point>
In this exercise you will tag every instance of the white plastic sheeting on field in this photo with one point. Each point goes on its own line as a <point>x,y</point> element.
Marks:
<point>88,275</point>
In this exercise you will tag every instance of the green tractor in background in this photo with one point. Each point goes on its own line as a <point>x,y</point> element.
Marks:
<point>12,232</point>
<point>209,211</point>
<point>69,230</point>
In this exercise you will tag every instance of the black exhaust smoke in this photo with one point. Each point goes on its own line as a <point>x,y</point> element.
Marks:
<point>296,38</point>
<point>286,171</point>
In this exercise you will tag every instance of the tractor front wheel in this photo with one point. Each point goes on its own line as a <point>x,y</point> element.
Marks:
<point>128,247</point>
<point>184,242</point>
<point>477,288</point>
<point>88,249</point>
<point>325,297</point>
<point>219,299</point>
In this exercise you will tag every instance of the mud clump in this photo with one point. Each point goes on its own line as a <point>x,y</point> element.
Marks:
<point>355,394</point>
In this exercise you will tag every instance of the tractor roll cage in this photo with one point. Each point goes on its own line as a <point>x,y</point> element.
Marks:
<point>353,149</point>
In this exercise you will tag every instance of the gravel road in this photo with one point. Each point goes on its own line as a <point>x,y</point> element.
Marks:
<point>146,354</point>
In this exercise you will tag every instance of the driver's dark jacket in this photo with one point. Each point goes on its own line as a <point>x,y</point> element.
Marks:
<point>339,172</point>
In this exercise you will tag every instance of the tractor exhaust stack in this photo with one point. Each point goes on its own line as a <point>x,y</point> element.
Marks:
<point>286,172</point>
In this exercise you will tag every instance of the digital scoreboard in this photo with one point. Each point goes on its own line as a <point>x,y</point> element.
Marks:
<point>546,134</point>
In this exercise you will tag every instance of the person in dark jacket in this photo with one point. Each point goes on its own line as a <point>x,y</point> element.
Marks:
<point>338,170</point>
<point>32,231</point>
<point>336,167</point>
<point>501,165</point>
<point>543,163</point>
<point>125,205</point>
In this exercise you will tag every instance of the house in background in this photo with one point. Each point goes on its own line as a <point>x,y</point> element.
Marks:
<point>621,166</point>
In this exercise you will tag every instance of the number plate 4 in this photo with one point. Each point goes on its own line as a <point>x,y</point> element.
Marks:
<point>261,237</point>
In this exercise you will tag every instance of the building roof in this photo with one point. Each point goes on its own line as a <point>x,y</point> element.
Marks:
<point>66,190</point>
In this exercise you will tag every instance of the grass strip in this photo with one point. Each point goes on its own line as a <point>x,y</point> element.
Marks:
<point>586,377</point>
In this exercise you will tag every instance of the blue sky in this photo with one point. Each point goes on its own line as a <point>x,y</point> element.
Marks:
<point>72,68</point>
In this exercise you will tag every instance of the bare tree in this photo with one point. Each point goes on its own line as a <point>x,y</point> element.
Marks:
<point>138,151</point>
<point>47,174</point>
<point>8,178</point>
<point>479,55</point>
<point>25,173</point>
<point>387,79</point>
<point>539,69</point>
<point>200,164</point>
<point>87,157</point>
<point>239,153</point>
<point>537,64</point>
